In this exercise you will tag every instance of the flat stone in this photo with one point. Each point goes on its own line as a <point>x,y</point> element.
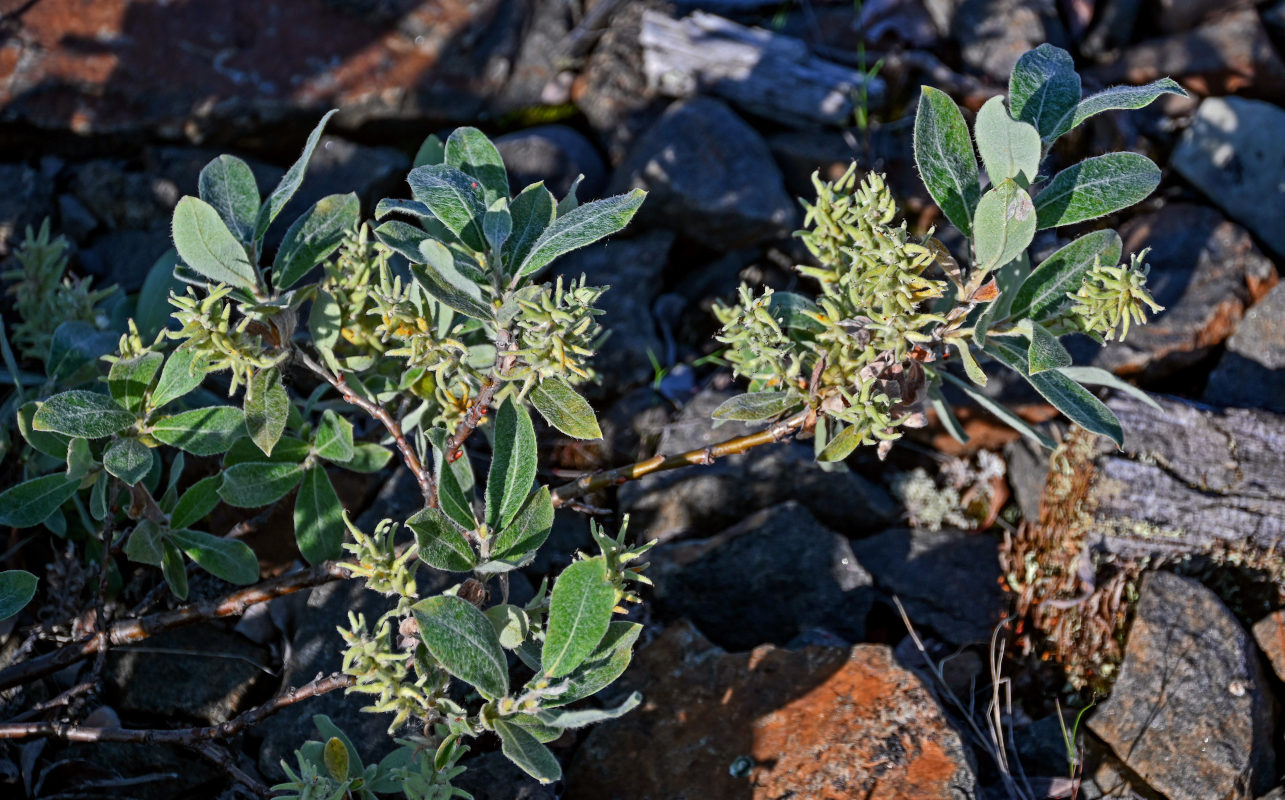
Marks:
<point>764,580</point>
<point>822,723</point>
<point>1183,15</point>
<point>1269,632</point>
<point>27,198</point>
<point>122,198</point>
<point>555,154</point>
<point>1190,712</point>
<point>1234,154</point>
<point>993,34</point>
<point>1251,373</point>
<point>710,176</point>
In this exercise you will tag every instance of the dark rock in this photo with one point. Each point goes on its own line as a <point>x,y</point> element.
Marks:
<point>122,198</point>
<point>764,580</point>
<point>182,166</point>
<point>702,499</point>
<point>947,580</point>
<point>1204,271</point>
<point>1252,371</point>
<point>993,34</point>
<point>200,673</point>
<point>1269,632</point>
<point>170,772</point>
<point>124,257</point>
<point>538,76</point>
<point>554,154</point>
<point>710,176</point>
<point>27,198</point>
<point>1182,15</point>
<point>819,722</point>
<point>632,268</point>
<point>1234,154</point>
<point>1190,712</point>
<point>74,220</point>
<point>633,424</point>
<point>1028,469</point>
<point>1041,746</point>
<point>492,776</point>
<point>1274,18</point>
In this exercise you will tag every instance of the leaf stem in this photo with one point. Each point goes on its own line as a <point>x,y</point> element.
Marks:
<point>504,358</point>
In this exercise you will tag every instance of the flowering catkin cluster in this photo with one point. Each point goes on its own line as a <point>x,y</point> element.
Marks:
<point>208,328</point>
<point>556,331</point>
<point>1112,297</point>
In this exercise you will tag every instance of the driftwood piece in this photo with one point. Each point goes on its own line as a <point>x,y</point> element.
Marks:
<point>762,72</point>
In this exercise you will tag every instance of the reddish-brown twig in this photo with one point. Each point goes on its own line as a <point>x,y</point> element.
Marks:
<point>504,359</point>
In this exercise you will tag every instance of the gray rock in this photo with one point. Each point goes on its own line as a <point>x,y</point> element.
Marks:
<point>1190,712</point>
<point>947,580</point>
<point>1028,469</point>
<point>764,580</point>
<point>554,154</point>
<point>122,198</point>
<point>74,219</point>
<point>491,776</point>
<point>124,257</point>
<point>993,34</point>
<point>1175,16</point>
<point>1251,373</point>
<point>710,176</point>
<point>339,166</point>
<point>1234,153</point>
<point>182,166</point>
<point>1274,20</point>
<point>26,200</point>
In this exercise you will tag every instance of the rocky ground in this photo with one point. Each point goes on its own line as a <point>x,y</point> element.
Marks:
<point>776,661</point>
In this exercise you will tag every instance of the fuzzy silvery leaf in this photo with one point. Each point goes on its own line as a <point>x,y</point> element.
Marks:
<point>454,482</point>
<point>946,416</point>
<point>455,198</point>
<point>469,151</point>
<point>289,450</point>
<point>75,350</point>
<point>607,662</point>
<point>197,502</point>
<point>841,446</point>
<point>971,368</point>
<point>318,518</point>
<point>173,569</point>
<point>267,407</point>
<point>438,276</point>
<point>430,152</point>
<point>755,406</point>
<point>1003,226</point>
<point>312,237</point>
<point>206,245</point>
<point>396,205</point>
<point>564,408</point>
<point>1045,351</point>
<point>1009,148</point>
<point>497,224</point>
<point>257,483</point>
<point>1124,98</point>
<point>461,639</point>
<point>1043,294</point>
<point>1044,90</point>
<point>580,610</point>
<point>579,718</point>
<point>290,181</point>
<point>794,312</point>
<point>183,371</point>
<point>367,457</point>
<point>583,226</point>
<point>1096,187</point>
<point>1001,411</point>
<point>17,587</point>
<point>944,155</point>
<point>403,238</point>
<point>128,459</point>
<point>31,502</point>
<point>441,542</point>
<point>335,756</point>
<point>532,211</point>
<point>522,748</point>
<point>130,378</point>
<point>325,320</point>
<point>1096,376</point>
<point>513,464</point>
<point>152,309</point>
<point>202,431</point>
<point>146,543</point>
<point>47,442</point>
<point>570,201</point>
<point>329,730</point>
<point>511,624</point>
<point>79,458</point>
<point>82,413</point>
<point>333,440</point>
<point>1067,396</point>
<point>229,559</point>
<point>228,185</point>
<point>516,545</point>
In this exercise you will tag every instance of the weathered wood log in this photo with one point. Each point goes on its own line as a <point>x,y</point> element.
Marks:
<point>762,72</point>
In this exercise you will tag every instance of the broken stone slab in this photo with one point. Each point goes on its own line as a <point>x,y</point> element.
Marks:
<point>1251,373</point>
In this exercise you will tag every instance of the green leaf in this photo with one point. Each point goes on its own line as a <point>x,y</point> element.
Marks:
<point>1043,294</point>
<point>183,371</point>
<point>454,482</point>
<point>329,730</point>
<point>1066,395</point>
<point>1007,279</point>
<point>206,245</point>
<point>946,416</point>
<point>197,502</point>
<point>569,201</point>
<point>17,587</point>
<point>841,446</point>
<point>79,459</point>
<point>325,320</point>
<point>146,544</point>
<point>944,155</point>
<point>254,484</point>
<point>432,151</point>
<point>174,570</point>
<point>1044,90</point>
<point>1045,351</point>
<point>228,185</point>
<point>794,312</point>
<point>564,408</point>
<point>441,542</point>
<point>971,368</point>
<point>367,457</point>
<point>532,212</point>
<point>755,406</point>
<point>513,464</point>
<point>1004,225</point>
<point>82,413</point>
<point>75,351</point>
<point>469,151</point>
<point>229,559</point>
<point>333,439</point>
<point>455,198</point>
<point>267,407</point>
<point>202,431</point>
<point>31,502</point>
<point>579,612</point>
<point>462,640</point>
<point>128,459</point>
<point>517,544</point>
<point>511,624</point>
<point>583,226</point>
<point>1096,187</point>
<point>1002,412</point>
<point>403,238</point>
<point>1009,149</point>
<point>152,309</point>
<point>1096,376</point>
<point>318,518</point>
<point>289,450</point>
<point>497,224</point>
<point>47,442</point>
<point>1124,98</point>
<point>438,276</point>
<point>335,756</point>
<point>600,669</point>
<point>579,718</point>
<point>312,237</point>
<point>290,181</point>
<point>522,748</point>
<point>130,378</point>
